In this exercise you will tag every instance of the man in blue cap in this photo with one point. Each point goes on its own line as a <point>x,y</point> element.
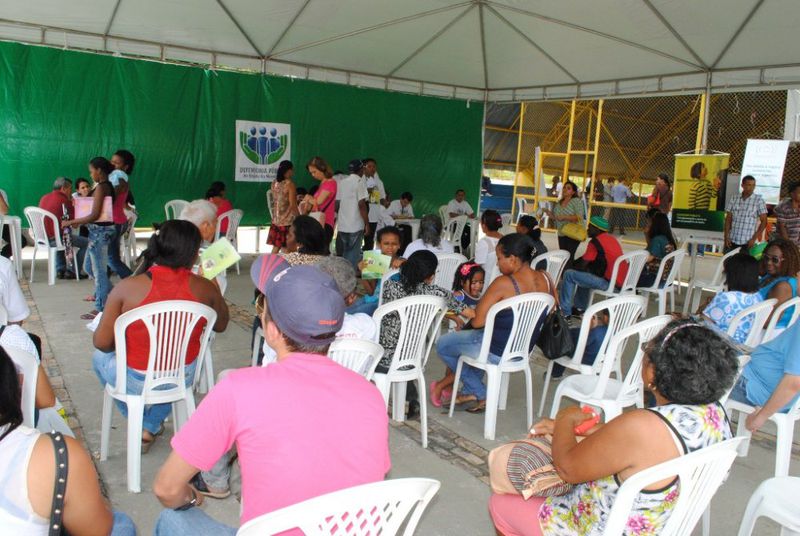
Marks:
<point>303,426</point>
<point>593,270</point>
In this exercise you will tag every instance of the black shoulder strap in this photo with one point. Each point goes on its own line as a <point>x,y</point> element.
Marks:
<point>60,485</point>
<point>2,329</point>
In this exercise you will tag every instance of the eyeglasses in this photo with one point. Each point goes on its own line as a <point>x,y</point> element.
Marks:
<point>260,304</point>
<point>773,259</point>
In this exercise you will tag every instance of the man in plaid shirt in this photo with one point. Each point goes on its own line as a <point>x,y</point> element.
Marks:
<point>746,218</point>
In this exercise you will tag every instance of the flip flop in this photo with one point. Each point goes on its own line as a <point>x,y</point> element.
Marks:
<point>89,298</point>
<point>90,316</point>
<point>466,406</point>
<point>147,443</point>
<point>479,407</point>
<point>436,401</point>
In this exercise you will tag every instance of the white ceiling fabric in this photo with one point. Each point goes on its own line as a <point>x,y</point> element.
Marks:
<point>501,50</point>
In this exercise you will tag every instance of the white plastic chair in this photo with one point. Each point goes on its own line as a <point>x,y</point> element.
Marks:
<point>556,262</point>
<point>700,472</point>
<point>636,261</point>
<point>714,285</point>
<point>445,217</point>
<point>784,437</point>
<point>446,269</point>
<point>36,219</point>
<point>528,310</point>
<point>127,241</point>
<point>454,229</point>
<point>390,273</point>
<point>775,498</point>
<point>770,330</point>
<point>358,355</point>
<point>623,312</point>
<point>505,219</point>
<point>3,316</point>
<point>233,217</point>
<point>420,317</point>
<point>613,395</point>
<point>169,326</point>
<point>662,289</point>
<point>174,208</point>
<point>760,313</point>
<point>377,508</point>
<point>29,367</point>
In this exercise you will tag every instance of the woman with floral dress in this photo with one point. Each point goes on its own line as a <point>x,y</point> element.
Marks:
<point>284,206</point>
<point>687,367</point>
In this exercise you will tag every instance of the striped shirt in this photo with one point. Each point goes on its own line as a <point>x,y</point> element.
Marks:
<point>745,214</point>
<point>700,195</point>
<point>789,217</point>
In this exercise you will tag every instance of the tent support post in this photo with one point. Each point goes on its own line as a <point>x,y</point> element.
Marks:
<point>705,111</point>
<point>516,169</point>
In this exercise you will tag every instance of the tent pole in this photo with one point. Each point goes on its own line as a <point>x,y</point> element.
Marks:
<point>516,170</point>
<point>707,111</point>
<point>483,150</point>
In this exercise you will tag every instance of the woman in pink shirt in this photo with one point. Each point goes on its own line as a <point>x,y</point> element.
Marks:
<point>325,199</point>
<point>216,194</point>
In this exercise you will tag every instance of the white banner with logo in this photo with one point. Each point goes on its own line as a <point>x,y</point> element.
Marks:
<point>764,160</point>
<point>260,147</point>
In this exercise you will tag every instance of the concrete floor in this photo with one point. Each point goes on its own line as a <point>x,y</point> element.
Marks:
<point>459,507</point>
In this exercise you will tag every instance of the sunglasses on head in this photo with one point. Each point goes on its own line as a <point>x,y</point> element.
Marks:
<point>772,258</point>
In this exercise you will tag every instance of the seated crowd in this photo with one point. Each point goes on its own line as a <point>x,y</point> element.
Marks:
<point>300,425</point>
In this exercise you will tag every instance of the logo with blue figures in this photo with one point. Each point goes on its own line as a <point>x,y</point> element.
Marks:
<point>262,145</point>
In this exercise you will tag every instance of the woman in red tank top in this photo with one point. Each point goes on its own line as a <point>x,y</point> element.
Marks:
<point>164,274</point>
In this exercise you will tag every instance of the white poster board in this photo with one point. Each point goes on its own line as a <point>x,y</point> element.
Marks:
<point>764,160</point>
<point>260,147</point>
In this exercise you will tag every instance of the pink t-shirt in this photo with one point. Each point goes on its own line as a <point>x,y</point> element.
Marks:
<point>329,205</point>
<point>303,427</point>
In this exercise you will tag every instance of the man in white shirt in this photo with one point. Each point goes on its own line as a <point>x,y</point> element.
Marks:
<point>11,294</point>
<point>620,193</point>
<point>459,206</point>
<point>399,210</point>
<point>377,198</point>
<point>352,221</point>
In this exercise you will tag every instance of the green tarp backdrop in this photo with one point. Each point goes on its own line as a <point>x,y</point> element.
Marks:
<point>58,109</point>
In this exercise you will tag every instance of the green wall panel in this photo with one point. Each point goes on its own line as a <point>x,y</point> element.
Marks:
<point>58,109</point>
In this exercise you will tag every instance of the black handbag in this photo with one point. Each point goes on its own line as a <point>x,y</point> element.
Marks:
<point>554,339</point>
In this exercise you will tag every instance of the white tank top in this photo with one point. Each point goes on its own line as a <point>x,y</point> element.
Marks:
<point>16,513</point>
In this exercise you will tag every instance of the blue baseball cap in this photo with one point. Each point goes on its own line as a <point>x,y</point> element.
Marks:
<point>303,301</point>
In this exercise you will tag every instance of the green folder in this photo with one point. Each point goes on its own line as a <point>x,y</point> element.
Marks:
<point>218,257</point>
<point>377,265</point>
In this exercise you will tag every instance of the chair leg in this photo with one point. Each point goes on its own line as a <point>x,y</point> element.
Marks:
<point>783,449</point>
<point>505,377</point>
<point>742,431</point>
<point>399,401</point>
<point>135,418</point>
<point>556,404</point>
<point>105,425</point>
<point>51,266</point>
<point>611,410</point>
<point>707,520</point>
<point>455,386</point>
<point>382,383</point>
<point>423,409</point>
<point>751,513</point>
<point>493,380</point>
<point>662,302</point>
<point>33,262</point>
<point>528,396</point>
<point>547,377</point>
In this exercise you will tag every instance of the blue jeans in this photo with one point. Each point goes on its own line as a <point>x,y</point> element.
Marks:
<point>123,525</point>
<point>576,285</point>
<point>362,306</point>
<point>348,245</point>
<point>190,522</point>
<point>452,345</point>
<point>100,239</point>
<point>739,391</point>
<point>114,258</point>
<point>105,366</point>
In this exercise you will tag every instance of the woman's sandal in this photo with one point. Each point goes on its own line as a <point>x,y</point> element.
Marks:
<point>466,405</point>
<point>479,407</point>
<point>435,400</point>
<point>91,315</point>
<point>89,298</point>
<point>147,443</point>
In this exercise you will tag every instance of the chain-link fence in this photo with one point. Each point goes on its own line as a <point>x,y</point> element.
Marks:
<point>639,138</point>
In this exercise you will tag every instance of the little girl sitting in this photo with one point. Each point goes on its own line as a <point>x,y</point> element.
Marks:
<point>467,288</point>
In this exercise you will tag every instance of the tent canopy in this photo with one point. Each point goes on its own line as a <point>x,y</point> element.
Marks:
<point>497,50</point>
